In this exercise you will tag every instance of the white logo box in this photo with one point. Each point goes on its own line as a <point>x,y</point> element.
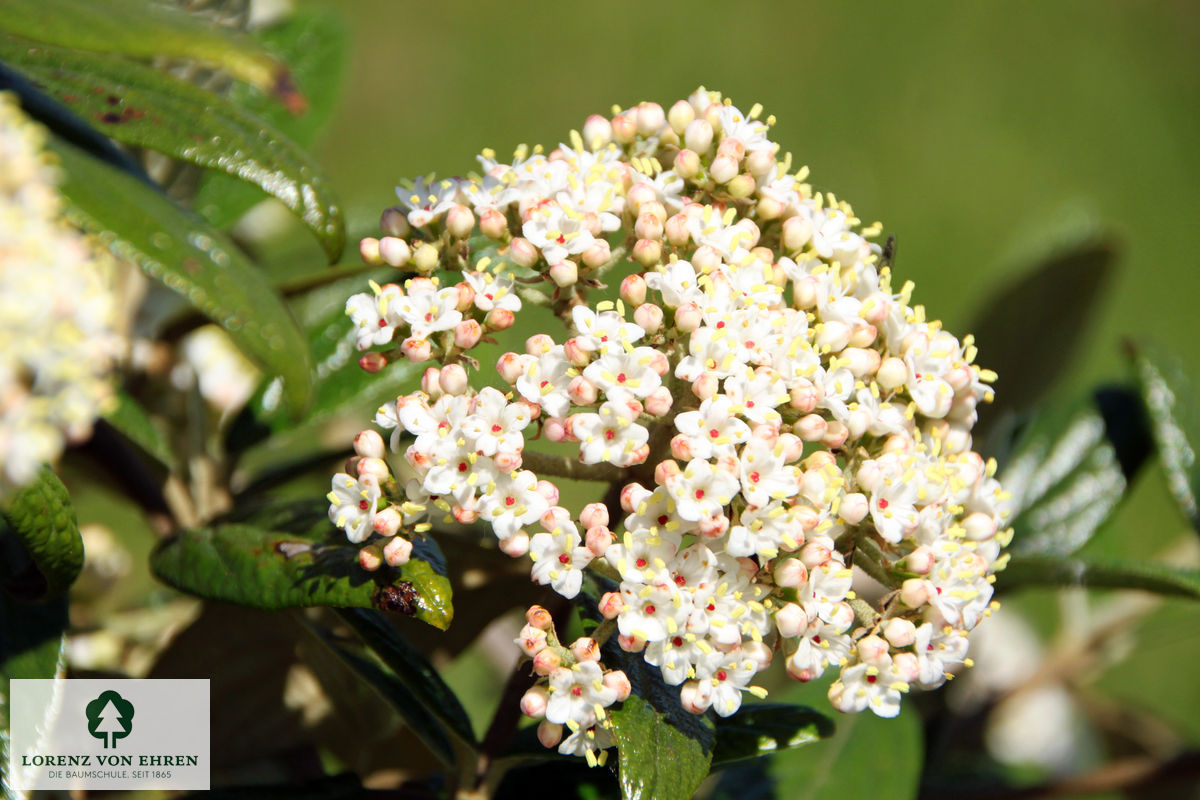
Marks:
<point>109,734</point>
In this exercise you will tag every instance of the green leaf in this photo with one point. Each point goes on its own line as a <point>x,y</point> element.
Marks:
<point>314,43</point>
<point>1175,418</point>
<point>146,29</point>
<point>1057,299</point>
<point>664,751</point>
<point>42,517</point>
<point>399,696</point>
<point>867,757</point>
<point>146,107</point>
<point>188,257</point>
<point>135,424</point>
<point>1065,479</point>
<point>764,728</point>
<point>413,670</point>
<point>32,640</point>
<point>251,566</point>
<point>1100,573</point>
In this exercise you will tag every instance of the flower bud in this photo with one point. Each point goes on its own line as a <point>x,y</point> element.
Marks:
<point>650,118</point>
<point>533,702</point>
<point>648,226</point>
<point>555,429</point>
<point>647,252</point>
<point>906,667</point>
<point>425,259</point>
<point>665,471</point>
<point>523,253</point>
<point>694,700</point>
<point>979,526</point>
<point>759,162</point>
<point>467,334</point>
<point>688,317</point>
<point>919,561</point>
<point>510,366</point>
<point>611,605</point>
<point>659,402</point>
<point>464,515</point>
<point>546,661</point>
<point>417,350</point>
<point>394,251</point>
<point>585,649</point>
<point>460,221</point>
<point>493,224</point>
<point>892,373</point>
<point>368,249</point>
<point>398,551</point>
<point>394,222</point>
<point>791,573</point>
<point>499,319</point>
<point>872,649</point>
<point>797,232</point>
<point>804,396</point>
<point>916,592</point>
<point>549,733</point>
<point>724,169</point>
<point>597,254</point>
<point>648,317</point>
<point>741,186</point>
<point>631,644</point>
<point>516,545</point>
<point>713,527</point>
<point>863,336</point>
<point>582,391</point>
<point>769,208</point>
<point>698,135</point>
<point>836,434</point>
<point>598,539</point>
<point>564,273</point>
<point>387,523</point>
<point>816,553</point>
<point>624,127</point>
<point>680,116</point>
<point>531,640</point>
<point>370,557</point>
<point>453,379</point>
<point>811,428</point>
<point>900,632</point>
<point>758,652</point>
<point>372,362</point>
<point>539,344</point>
<point>507,460</point>
<point>791,619</point>
<point>548,491</point>
<point>854,508</point>
<point>370,444</point>
<point>597,132</point>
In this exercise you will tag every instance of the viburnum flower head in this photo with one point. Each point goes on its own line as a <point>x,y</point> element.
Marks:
<point>784,433</point>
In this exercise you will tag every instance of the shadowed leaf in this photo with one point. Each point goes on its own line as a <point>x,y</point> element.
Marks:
<point>1100,573</point>
<point>764,728</point>
<point>1174,412</point>
<point>42,517</point>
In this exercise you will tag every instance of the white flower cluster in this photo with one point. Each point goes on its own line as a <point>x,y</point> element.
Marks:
<point>789,437</point>
<point>57,311</point>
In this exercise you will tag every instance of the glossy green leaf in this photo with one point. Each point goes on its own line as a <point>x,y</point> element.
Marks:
<point>251,566</point>
<point>867,757</point>
<point>145,107</point>
<point>188,257</point>
<point>42,517</point>
<point>136,425</point>
<point>147,29</point>
<point>663,751</point>
<point>398,694</point>
<point>412,669</point>
<point>1100,573</point>
<point>1174,411</point>
<point>314,43</point>
<point>1065,480</point>
<point>1057,298</point>
<point>764,728</point>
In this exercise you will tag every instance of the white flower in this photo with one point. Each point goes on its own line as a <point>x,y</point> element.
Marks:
<point>624,372</point>
<point>427,201</point>
<point>701,491</point>
<point>558,557</point>
<point>713,430</point>
<point>610,436</point>
<point>576,693</point>
<point>352,504</point>
<point>512,501</point>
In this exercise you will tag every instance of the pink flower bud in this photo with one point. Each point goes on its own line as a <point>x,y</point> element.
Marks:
<point>430,384</point>
<point>816,553</point>
<point>426,258</point>
<point>499,319</point>
<point>979,526</point>
<point>759,162</point>
<point>713,527</point>
<point>549,733</point>
<point>791,573</point>
<point>417,350</point>
<point>372,362</point>
<point>707,258</point>
<point>617,681</point>
<point>564,273</point>
<point>394,251</point>
<point>916,592</point>
<point>510,366</point>
<point>531,640</point>
<point>659,402</point>
<point>758,652</point>
<point>466,296</point>
<point>647,252</point>
<point>724,168</point>
<point>368,248</point>
<point>539,344</point>
<point>393,222</point>
<point>493,224</point>
<point>370,557</point>
<point>633,290</point>
<point>375,468</point>
<point>387,522</point>
<point>906,666</point>
<point>900,632</point>
<point>460,221</point>
<point>370,444</point>
<point>688,317</point>
<point>597,255</point>
<point>624,127</point>
<point>632,495</point>
<point>555,429</point>
<point>593,514</point>
<point>694,700</point>
<point>863,361</point>
<point>453,379</point>
<point>523,253</point>
<point>681,447</point>
<point>585,649</point>
<point>533,702</point>
<point>598,539</point>
<point>648,226</point>
<point>548,491</point>
<point>648,317</point>
<point>811,428</point>
<point>797,232</point>
<point>919,561</point>
<point>872,649</point>
<point>698,135</point>
<point>631,644</point>
<point>665,471</point>
<point>680,116</point>
<point>799,673</point>
<point>464,514</point>
<point>791,620</point>
<point>639,194</point>
<point>398,551</point>
<point>467,334</point>
<point>507,460</point>
<point>611,605</point>
<point>793,447</point>
<point>650,118</point>
<point>863,336</point>
<point>539,617</point>
<point>546,661</point>
<point>836,434</point>
<point>732,147</point>
<point>516,545</point>
<point>597,132</point>
<point>853,508</point>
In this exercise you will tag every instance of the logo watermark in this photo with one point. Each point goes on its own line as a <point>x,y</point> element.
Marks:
<point>109,734</point>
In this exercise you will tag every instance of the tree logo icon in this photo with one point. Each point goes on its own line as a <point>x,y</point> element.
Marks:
<point>110,717</point>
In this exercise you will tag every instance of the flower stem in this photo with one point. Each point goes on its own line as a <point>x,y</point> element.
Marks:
<point>565,467</point>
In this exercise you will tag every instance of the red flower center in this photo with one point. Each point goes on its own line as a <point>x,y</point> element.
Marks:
<point>650,609</point>
<point>883,504</point>
<point>721,675</point>
<point>872,678</point>
<point>564,559</point>
<point>364,505</point>
<point>510,500</point>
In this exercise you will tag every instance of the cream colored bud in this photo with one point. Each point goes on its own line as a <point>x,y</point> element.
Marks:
<point>680,116</point>
<point>698,136</point>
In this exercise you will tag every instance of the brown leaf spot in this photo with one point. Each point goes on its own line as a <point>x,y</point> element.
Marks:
<point>401,596</point>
